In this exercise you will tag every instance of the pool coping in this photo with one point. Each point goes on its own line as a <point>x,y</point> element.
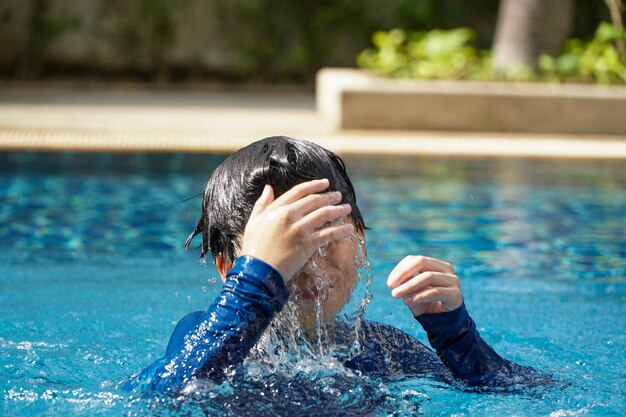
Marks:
<point>64,119</point>
<point>481,145</point>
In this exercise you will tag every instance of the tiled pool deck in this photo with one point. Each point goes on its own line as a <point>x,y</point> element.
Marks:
<point>201,120</point>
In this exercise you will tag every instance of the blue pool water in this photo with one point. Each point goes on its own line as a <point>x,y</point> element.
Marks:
<point>93,279</point>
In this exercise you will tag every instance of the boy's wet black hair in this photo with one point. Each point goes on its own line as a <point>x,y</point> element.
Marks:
<point>237,183</point>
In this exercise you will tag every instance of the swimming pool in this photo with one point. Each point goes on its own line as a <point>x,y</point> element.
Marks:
<point>93,279</point>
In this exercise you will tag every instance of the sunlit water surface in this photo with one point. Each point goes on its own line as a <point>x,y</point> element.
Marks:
<point>93,279</point>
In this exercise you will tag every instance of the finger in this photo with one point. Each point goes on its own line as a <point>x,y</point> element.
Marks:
<point>331,234</point>
<point>395,271</point>
<point>400,270</point>
<point>448,296</point>
<point>264,200</point>
<point>425,279</point>
<point>313,202</point>
<point>323,215</point>
<point>413,265</point>
<point>302,190</point>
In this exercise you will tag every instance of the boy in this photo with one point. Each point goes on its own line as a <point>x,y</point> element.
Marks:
<point>267,211</point>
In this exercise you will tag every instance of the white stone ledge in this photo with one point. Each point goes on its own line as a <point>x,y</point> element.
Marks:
<point>347,142</point>
<point>355,99</point>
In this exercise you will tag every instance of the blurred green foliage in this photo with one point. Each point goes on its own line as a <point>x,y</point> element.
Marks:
<point>292,40</point>
<point>594,61</point>
<point>423,55</point>
<point>243,40</point>
<point>450,54</point>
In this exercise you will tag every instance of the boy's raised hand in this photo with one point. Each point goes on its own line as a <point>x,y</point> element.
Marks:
<point>286,231</point>
<point>426,285</point>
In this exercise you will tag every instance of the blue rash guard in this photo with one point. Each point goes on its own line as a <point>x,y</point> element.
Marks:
<point>205,343</point>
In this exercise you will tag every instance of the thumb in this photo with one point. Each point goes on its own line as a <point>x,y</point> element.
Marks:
<point>265,199</point>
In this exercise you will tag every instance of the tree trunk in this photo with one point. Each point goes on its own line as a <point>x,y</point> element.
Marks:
<point>615,7</point>
<point>528,28</point>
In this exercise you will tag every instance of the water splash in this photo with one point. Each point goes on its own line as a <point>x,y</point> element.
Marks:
<point>353,312</point>
<point>301,370</point>
<point>289,348</point>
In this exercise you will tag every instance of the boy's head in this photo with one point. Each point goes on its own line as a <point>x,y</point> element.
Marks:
<point>237,183</point>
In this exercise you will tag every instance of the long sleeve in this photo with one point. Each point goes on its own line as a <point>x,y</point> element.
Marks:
<point>455,338</point>
<point>204,344</point>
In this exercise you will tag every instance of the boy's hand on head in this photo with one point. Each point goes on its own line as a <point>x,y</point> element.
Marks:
<point>286,231</point>
<point>426,285</point>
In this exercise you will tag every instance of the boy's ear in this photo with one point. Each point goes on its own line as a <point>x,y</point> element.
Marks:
<point>223,265</point>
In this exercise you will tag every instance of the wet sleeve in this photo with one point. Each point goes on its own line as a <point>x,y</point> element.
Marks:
<point>470,359</point>
<point>391,354</point>
<point>204,344</point>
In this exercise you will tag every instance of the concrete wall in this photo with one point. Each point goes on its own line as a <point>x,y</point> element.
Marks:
<point>353,99</point>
